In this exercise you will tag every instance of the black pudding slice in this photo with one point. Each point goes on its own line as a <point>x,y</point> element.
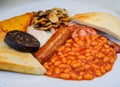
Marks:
<point>22,41</point>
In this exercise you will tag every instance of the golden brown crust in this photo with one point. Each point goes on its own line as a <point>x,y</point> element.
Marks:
<point>20,22</point>
<point>84,16</point>
<point>2,35</point>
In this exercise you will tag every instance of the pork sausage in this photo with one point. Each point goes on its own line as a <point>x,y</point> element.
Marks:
<point>56,40</point>
<point>115,46</point>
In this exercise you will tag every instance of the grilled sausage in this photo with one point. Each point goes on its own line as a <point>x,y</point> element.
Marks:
<point>56,40</point>
<point>115,46</point>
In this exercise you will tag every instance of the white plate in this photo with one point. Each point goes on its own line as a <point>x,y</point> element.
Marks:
<point>11,79</point>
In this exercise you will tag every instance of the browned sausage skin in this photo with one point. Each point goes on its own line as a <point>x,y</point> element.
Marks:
<point>56,40</point>
<point>115,46</point>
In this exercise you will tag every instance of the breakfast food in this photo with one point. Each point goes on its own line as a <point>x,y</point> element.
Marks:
<point>75,51</point>
<point>101,21</point>
<point>20,22</point>
<point>115,46</point>
<point>56,40</point>
<point>82,30</point>
<point>52,18</point>
<point>16,61</point>
<point>82,58</point>
<point>85,56</point>
<point>22,41</point>
<point>2,35</point>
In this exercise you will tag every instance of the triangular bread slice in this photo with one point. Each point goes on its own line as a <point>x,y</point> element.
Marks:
<point>16,61</point>
<point>20,22</point>
<point>101,21</point>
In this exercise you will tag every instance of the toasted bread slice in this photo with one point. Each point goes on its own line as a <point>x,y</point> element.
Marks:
<point>101,21</point>
<point>16,61</point>
<point>2,35</point>
<point>20,22</point>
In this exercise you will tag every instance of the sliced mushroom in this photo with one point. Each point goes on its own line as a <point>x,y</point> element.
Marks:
<point>53,17</point>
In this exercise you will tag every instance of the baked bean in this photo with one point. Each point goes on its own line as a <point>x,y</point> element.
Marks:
<point>106,59</point>
<point>64,60</point>
<point>102,69</point>
<point>62,66</point>
<point>79,78</point>
<point>98,72</point>
<point>82,58</point>
<point>73,76</point>
<point>65,76</point>
<point>87,66</point>
<point>112,60</point>
<point>67,70</point>
<point>46,65</point>
<point>88,76</point>
<point>57,63</point>
<point>57,70</point>
<point>49,73</point>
